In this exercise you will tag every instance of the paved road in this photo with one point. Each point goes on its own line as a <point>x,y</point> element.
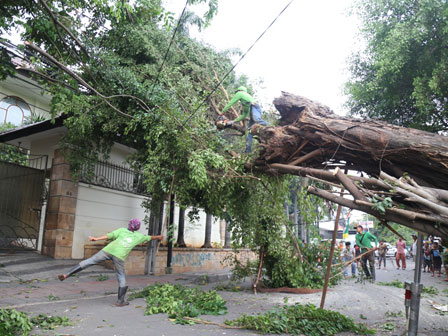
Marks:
<point>89,302</point>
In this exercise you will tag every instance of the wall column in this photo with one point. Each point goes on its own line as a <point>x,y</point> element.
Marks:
<point>61,208</point>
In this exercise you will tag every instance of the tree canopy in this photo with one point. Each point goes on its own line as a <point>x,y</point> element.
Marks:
<point>128,72</point>
<point>401,76</point>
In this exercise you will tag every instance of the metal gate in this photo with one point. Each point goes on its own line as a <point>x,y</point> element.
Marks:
<point>22,195</point>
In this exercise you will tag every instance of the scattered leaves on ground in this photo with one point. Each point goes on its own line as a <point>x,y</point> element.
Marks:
<point>300,319</point>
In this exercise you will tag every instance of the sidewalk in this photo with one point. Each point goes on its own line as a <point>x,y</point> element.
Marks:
<point>28,279</point>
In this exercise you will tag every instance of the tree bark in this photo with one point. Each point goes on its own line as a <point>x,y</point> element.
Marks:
<point>407,168</point>
<point>208,232</point>
<point>365,145</point>
<point>181,228</point>
<point>227,236</point>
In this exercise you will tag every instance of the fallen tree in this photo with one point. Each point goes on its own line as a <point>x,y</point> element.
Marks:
<point>407,169</point>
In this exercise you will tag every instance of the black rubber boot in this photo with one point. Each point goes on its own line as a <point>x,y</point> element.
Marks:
<point>121,294</point>
<point>73,270</point>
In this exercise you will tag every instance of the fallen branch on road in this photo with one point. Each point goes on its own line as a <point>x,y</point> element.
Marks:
<point>212,323</point>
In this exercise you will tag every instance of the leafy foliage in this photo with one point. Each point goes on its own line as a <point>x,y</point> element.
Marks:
<point>46,322</point>
<point>13,154</point>
<point>394,283</point>
<point>179,301</point>
<point>301,319</point>
<point>381,205</point>
<point>401,76</point>
<point>284,267</point>
<point>114,89</point>
<point>15,323</point>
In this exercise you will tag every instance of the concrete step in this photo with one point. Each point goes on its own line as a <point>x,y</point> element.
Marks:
<point>27,266</point>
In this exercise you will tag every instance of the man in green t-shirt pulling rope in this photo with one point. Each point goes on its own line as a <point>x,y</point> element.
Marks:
<point>364,241</point>
<point>123,241</point>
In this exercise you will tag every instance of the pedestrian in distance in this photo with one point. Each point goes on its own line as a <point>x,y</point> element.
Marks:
<point>427,262</point>
<point>122,242</point>
<point>436,258</point>
<point>250,109</point>
<point>445,262</point>
<point>382,251</point>
<point>348,254</point>
<point>414,248</point>
<point>364,241</point>
<point>401,255</point>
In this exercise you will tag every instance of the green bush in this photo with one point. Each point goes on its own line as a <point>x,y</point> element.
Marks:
<point>284,268</point>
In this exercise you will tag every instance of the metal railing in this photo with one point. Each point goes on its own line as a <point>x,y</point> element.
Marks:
<point>113,176</point>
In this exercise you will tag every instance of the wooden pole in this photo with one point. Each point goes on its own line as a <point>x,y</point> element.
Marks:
<point>260,268</point>
<point>330,261</point>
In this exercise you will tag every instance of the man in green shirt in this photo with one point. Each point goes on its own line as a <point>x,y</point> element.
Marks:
<point>250,109</point>
<point>364,241</point>
<point>123,241</point>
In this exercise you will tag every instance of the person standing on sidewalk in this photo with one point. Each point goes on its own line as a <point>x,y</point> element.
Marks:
<point>427,263</point>
<point>348,254</point>
<point>436,258</point>
<point>123,241</point>
<point>382,251</point>
<point>364,241</point>
<point>401,254</point>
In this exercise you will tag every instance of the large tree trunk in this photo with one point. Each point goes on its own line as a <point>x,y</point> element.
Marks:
<point>407,166</point>
<point>365,145</point>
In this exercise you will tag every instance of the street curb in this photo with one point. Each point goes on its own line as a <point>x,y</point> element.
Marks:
<point>211,278</point>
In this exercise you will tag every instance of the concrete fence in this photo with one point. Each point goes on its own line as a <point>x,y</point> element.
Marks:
<point>184,259</point>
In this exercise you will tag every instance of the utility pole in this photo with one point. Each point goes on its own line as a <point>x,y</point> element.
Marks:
<point>416,290</point>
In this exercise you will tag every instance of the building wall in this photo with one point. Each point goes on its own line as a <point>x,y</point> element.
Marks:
<point>119,154</point>
<point>195,230</point>
<point>100,210</point>
<point>46,146</point>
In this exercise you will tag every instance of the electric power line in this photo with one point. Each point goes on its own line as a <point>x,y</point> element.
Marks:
<point>169,46</point>
<point>247,51</point>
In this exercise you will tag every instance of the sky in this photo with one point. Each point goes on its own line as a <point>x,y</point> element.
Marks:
<point>305,52</point>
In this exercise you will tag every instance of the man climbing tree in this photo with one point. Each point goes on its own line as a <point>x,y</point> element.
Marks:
<point>250,108</point>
